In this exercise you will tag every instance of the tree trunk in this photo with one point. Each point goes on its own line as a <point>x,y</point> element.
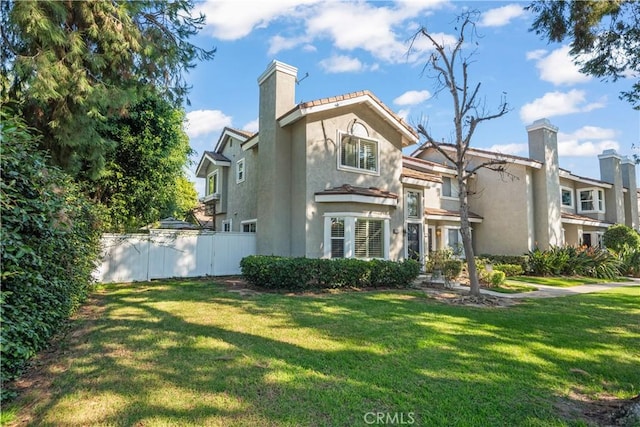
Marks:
<point>465,231</point>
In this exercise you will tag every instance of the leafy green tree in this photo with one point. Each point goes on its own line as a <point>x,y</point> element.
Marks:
<point>619,235</point>
<point>49,246</point>
<point>604,36</point>
<point>144,177</point>
<point>70,66</point>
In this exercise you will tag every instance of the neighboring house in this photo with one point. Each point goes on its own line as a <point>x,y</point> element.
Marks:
<point>328,178</point>
<point>535,203</point>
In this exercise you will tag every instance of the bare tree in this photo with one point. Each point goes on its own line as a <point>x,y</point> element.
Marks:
<point>451,68</point>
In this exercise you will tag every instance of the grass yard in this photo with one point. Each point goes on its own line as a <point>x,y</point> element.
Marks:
<point>563,282</point>
<point>513,287</point>
<point>191,353</point>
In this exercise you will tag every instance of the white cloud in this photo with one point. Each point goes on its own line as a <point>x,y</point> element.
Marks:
<point>589,132</point>
<point>501,15</point>
<point>536,54</point>
<point>341,64</point>
<point>588,141</point>
<point>558,104</point>
<point>376,29</point>
<point>404,113</point>
<point>252,126</point>
<point>557,67</point>
<point>232,20</point>
<point>585,149</point>
<point>509,148</point>
<point>203,122</point>
<point>412,97</point>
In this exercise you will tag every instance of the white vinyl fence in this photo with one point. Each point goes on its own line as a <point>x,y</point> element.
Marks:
<point>161,255</point>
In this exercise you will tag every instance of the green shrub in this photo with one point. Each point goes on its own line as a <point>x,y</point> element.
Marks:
<point>497,278</point>
<point>509,270</point>
<point>451,269</point>
<point>304,273</point>
<point>619,235</point>
<point>521,260</point>
<point>569,260</point>
<point>49,247</point>
<point>630,261</point>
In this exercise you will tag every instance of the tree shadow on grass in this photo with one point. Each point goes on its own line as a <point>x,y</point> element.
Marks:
<point>195,354</point>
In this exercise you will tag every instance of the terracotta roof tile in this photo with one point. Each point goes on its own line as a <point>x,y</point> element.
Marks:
<point>217,156</point>
<point>361,191</point>
<point>332,99</point>
<point>412,173</point>
<point>568,215</point>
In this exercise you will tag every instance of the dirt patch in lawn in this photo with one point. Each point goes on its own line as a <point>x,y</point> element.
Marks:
<point>604,411</point>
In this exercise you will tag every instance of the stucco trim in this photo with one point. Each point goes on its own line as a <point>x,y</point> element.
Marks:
<point>418,182</point>
<point>202,164</point>
<point>450,218</point>
<point>250,143</point>
<point>300,112</point>
<point>355,198</point>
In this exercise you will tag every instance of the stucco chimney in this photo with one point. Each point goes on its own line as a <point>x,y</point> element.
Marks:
<point>277,96</point>
<point>611,172</point>
<point>543,147</point>
<point>628,167</point>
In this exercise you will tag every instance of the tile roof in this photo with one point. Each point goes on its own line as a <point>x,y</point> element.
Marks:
<point>217,156</point>
<point>494,153</point>
<point>445,212</point>
<point>413,173</point>
<point>360,191</point>
<point>346,96</point>
<point>567,215</point>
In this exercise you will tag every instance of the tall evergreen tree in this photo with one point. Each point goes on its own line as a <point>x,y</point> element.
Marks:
<point>69,66</point>
<point>604,36</point>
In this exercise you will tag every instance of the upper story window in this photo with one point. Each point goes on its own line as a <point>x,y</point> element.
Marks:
<point>449,187</point>
<point>566,197</point>
<point>240,171</point>
<point>212,183</point>
<point>591,200</point>
<point>413,204</point>
<point>358,153</point>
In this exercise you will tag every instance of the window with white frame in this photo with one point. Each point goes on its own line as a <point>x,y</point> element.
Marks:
<point>591,200</point>
<point>337,237</point>
<point>212,183</point>
<point>358,153</point>
<point>368,241</point>
<point>240,171</point>
<point>566,197</point>
<point>413,204</point>
<point>449,187</point>
<point>249,226</point>
<point>453,240</point>
<point>348,235</point>
<point>226,225</point>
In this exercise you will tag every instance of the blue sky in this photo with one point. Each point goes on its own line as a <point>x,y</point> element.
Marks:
<point>357,45</point>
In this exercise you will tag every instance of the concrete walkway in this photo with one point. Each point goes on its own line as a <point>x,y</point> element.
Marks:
<point>545,291</point>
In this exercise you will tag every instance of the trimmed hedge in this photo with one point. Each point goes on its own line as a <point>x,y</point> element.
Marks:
<point>49,246</point>
<point>274,272</point>
<point>521,260</point>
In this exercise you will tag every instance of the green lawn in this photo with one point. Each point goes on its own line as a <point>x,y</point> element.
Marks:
<point>191,353</point>
<point>513,287</point>
<point>563,282</point>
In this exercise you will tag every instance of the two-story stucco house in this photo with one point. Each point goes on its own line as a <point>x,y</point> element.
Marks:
<point>538,204</point>
<point>321,179</point>
<point>328,178</point>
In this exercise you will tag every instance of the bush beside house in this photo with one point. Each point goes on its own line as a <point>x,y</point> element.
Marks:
<point>274,272</point>
<point>48,248</point>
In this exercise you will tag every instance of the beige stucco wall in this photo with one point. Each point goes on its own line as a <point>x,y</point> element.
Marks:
<point>505,203</point>
<point>321,132</point>
<point>240,198</point>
